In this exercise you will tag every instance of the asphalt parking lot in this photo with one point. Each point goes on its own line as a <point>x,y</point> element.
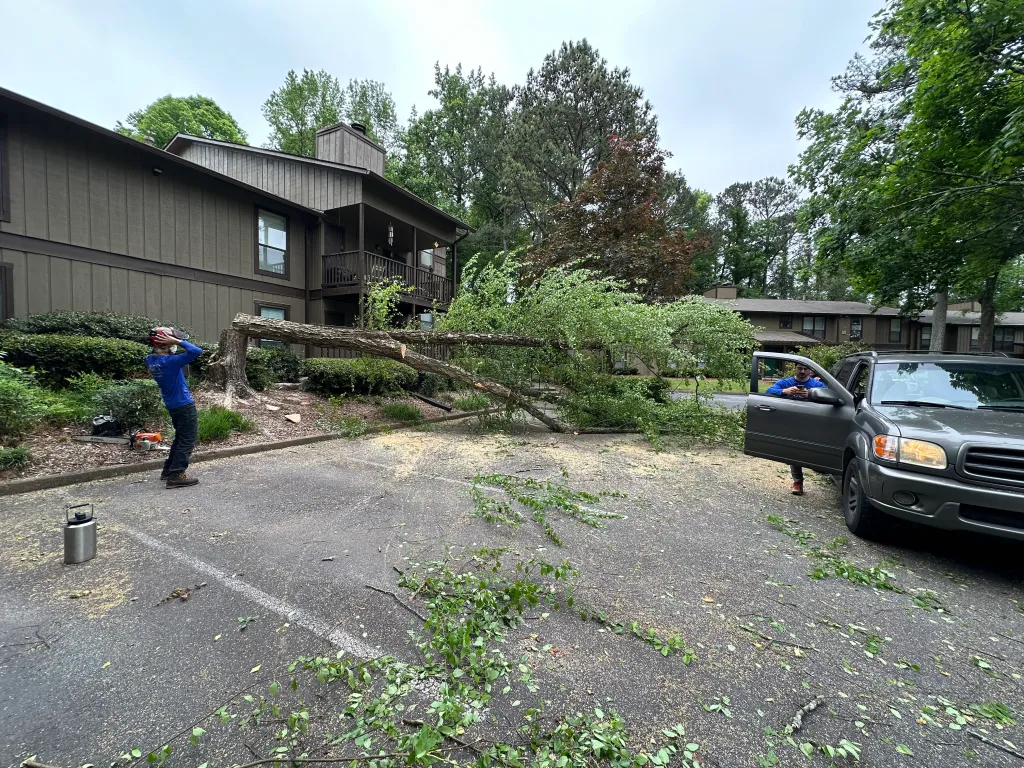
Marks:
<point>98,659</point>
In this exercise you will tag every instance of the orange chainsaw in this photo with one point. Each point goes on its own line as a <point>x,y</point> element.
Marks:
<point>137,440</point>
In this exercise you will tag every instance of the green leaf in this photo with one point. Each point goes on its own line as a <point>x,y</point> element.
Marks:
<point>808,749</point>
<point>136,753</point>
<point>903,749</point>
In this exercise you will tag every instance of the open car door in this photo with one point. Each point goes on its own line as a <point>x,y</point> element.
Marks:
<point>811,432</point>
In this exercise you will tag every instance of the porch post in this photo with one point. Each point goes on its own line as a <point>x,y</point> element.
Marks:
<point>415,258</point>
<point>361,256</point>
<point>455,267</point>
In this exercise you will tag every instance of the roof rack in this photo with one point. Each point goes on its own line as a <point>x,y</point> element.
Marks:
<point>876,353</point>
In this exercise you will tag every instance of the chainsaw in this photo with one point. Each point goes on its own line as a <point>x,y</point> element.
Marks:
<point>137,440</point>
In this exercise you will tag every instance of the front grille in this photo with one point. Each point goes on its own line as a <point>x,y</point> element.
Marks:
<point>998,464</point>
<point>992,516</point>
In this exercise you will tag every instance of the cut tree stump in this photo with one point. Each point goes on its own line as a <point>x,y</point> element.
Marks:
<point>390,344</point>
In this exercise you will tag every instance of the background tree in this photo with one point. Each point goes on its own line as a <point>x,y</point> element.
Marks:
<point>619,223</point>
<point>301,107</point>
<point>916,180</point>
<point>195,115</point>
<point>369,103</point>
<point>562,117</point>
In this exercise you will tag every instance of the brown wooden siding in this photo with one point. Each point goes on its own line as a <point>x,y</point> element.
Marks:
<point>343,145</point>
<point>47,283</point>
<point>312,186</point>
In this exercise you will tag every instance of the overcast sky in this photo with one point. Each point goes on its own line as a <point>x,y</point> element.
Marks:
<point>726,77</point>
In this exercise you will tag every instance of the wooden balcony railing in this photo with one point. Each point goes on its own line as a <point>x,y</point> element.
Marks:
<point>345,269</point>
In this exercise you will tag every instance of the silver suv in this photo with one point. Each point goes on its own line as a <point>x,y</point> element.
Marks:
<point>937,439</point>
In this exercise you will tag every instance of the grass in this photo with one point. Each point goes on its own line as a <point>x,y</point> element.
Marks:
<point>474,402</point>
<point>13,458</point>
<point>712,386</point>
<point>403,412</point>
<point>217,423</point>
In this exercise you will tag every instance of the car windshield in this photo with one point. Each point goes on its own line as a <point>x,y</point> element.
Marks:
<point>949,384</point>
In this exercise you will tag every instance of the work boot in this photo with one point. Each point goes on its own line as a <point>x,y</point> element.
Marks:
<point>181,480</point>
<point>797,490</point>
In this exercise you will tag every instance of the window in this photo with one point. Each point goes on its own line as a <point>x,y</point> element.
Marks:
<point>6,291</point>
<point>1004,339</point>
<point>785,321</point>
<point>272,247</point>
<point>926,337</point>
<point>814,325</point>
<point>856,328</point>
<point>427,259</point>
<point>895,330</point>
<point>5,181</point>
<point>859,385</point>
<point>975,336</point>
<point>426,322</point>
<point>277,312</point>
<point>845,369</point>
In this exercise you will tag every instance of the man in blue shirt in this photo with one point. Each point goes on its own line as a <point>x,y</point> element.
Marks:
<point>166,369</point>
<point>796,386</point>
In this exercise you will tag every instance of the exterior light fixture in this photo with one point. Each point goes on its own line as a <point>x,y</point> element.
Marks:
<point>391,235</point>
<point>436,245</point>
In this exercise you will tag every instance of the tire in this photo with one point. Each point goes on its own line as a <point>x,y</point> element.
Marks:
<point>861,518</point>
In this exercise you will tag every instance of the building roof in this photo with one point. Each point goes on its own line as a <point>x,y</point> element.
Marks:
<point>973,318</point>
<point>790,338</point>
<point>160,154</point>
<point>796,307</point>
<point>180,140</point>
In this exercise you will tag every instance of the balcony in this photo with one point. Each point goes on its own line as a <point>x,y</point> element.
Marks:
<point>348,269</point>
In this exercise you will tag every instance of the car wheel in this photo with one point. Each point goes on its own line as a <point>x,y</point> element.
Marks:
<point>861,518</point>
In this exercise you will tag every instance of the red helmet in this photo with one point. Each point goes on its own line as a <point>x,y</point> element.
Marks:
<point>166,330</point>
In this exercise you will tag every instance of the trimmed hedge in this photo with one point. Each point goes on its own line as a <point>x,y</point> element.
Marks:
<point>360,376</point>
<point>429,384</point>
<point>113,325</point>
<point>58,359</point>
<point>134,404</point>
<point>265,366</point>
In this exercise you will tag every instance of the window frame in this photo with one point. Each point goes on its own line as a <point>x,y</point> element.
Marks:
<point>974,341</point>
<point>1003,344</point>
<point>926,343</point>
<point>899,330</point>
<point>786,322</point>
<point>5,171</point>
<point>259,305</point>
<point>859,334</point>
<point>7,289</point>
<point>286,275</point>
<point>814,321</point>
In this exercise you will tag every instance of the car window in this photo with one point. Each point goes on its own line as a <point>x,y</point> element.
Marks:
<point>844,369</point>
<point>957,384</point>
<point>859,386</point>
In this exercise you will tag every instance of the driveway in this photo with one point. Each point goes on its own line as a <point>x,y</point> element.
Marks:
<point>276,552</point>
<point>733,401</point>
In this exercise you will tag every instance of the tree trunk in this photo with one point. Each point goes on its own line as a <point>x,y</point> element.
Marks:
<point>227,367</point>
<point>938,341</point>
<point>987,332</point>
<point>380,344</point>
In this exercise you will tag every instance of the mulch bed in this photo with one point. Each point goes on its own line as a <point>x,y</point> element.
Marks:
<point>55,452</point>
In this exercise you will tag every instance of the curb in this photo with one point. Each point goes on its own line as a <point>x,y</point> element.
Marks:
<point>45,482</point>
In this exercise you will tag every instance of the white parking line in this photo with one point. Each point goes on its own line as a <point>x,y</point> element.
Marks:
<point>295,615</point>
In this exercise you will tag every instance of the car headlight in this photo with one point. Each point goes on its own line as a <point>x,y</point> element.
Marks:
<point>922,454</point>
<point>907,451</point>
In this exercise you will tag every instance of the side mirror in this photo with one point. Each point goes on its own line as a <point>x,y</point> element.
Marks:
<point>823,395</point>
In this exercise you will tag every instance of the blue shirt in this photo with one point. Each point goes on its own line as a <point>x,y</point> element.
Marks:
<point>781,384</point>
<point>166,371</point>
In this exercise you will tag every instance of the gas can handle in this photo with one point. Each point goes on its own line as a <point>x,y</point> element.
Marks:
<point>67,510</point>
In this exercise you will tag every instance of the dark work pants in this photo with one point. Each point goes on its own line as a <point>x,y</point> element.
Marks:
<point>186,424</point>
<point>797,472</point>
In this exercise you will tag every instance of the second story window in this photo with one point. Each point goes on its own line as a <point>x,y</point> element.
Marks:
<point>785,321</point>
<point>814,325</point>
<point>895,330</point>
<point>856,328</point>
<point>272,249</point>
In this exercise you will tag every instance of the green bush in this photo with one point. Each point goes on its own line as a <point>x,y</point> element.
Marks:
<point>266,366</point>
<point>284,364</point>
<point>198,367</point>
<point>217,423</point>
<point>361,376</point>
<point>403,412</point>
<point>476,402</point>
<point>134,404</point>
<point>58,359</point>
<point>20,408</point>
<point>111,325</point>
<point>429,384</point>
<point>13,458</point>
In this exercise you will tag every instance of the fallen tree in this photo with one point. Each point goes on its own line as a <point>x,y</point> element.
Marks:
<point>227,368</point>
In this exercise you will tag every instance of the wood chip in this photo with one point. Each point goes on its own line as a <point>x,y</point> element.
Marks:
<point>294,418</point>
<point>273,407</point>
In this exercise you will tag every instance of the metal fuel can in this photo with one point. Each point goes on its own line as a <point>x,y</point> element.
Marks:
<point>79,533</point>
